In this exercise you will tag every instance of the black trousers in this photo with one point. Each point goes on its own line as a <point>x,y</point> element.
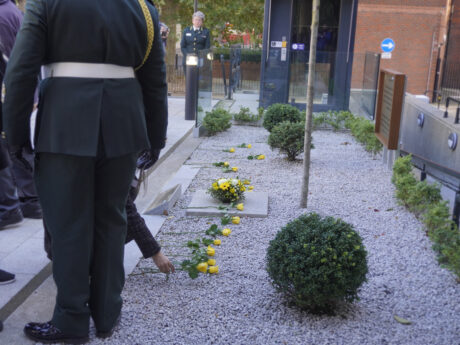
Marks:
<point>83,201</point>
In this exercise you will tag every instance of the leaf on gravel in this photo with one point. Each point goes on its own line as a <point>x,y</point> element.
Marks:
<point>402,321</point>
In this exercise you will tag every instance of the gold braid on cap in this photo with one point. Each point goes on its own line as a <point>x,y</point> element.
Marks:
<point>150,31</point>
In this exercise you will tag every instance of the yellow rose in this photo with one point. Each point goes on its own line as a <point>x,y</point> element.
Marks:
<point>243,189</point>
<point>247,182</point>
<point>214,269</point>
<point>251,187</point>
<point>217,242</point>
<point>249,146</point>
<point>232,190</point>
<point>202,267</point>
<point>231,150</point>
<point>226,232</point>
<point>236,220</point>
<point>226,164</point>
<point>259,157</point>
<point>211,262</point>
<point>210,251</point>
<point>240,207</point>
<point>235,169</point>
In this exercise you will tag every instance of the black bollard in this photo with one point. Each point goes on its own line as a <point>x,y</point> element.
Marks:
<point>191,87</point>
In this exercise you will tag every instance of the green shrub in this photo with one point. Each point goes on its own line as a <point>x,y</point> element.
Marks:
<point>288,137</point>
<point>317,262</point>
<point>335,119</point>
<point>277,113</point>
<point>218,120</point>
<point>426,202</point>
<point>245,115</point>
<point>364,131</point>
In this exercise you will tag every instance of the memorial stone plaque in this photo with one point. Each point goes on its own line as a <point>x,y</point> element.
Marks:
<point>389,107</point>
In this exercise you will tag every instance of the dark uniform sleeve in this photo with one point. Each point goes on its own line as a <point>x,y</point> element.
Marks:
<point>183,44</point>
<point>152,77</point>
<point>21,74</point>
<point>138,230</point>
<point>208,40</point>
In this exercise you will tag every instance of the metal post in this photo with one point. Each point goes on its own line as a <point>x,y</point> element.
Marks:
<point>195,6</point>
<point>456,212</point>
<point>191,91</point>
<point>423,174</point>
<point>223,72</point>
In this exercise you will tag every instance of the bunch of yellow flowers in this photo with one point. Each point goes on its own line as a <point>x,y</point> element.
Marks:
<point>227,189</point>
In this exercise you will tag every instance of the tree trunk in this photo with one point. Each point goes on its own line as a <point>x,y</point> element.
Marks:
<point>310,95</point>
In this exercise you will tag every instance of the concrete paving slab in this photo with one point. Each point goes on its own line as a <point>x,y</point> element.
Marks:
<point>7,292</point>
<point>29,258</point>
<point>202,204</point>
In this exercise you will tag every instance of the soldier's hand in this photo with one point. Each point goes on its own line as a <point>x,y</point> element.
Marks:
<point>163,263</point>
<point>148,158</point>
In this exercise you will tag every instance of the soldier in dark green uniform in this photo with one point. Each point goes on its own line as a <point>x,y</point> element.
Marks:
<point>195,37</point>
<point>103,100</point>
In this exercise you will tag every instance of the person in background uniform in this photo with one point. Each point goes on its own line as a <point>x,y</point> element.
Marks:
<point>18,197</point>
<point>103,99</point>
<point>195,37</point>
<point>164,34</point>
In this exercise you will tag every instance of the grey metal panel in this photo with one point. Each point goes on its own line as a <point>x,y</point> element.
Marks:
<point>429,144</point>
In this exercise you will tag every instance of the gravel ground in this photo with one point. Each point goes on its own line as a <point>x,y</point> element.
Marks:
<point>239,305</point>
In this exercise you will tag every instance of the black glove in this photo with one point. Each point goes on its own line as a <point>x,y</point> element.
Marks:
<point>148,158</point>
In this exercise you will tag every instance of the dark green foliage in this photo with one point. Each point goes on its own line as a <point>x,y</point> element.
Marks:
<point>277,113</point>
<point>317,262</point>
<point>335,119</point>
<point>288,137</point>
<point>364,131</point>
<point>245,115</point>
<point>217,120</point>
<point>247,55</point>
<point>426,202</point>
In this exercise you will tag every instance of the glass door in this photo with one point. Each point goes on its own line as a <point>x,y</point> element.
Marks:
<point>328,33</point>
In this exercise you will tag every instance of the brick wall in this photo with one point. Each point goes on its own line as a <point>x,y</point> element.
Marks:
<point>414,25</point>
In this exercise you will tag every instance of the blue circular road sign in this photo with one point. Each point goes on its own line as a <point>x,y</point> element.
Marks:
<point>388,45</point>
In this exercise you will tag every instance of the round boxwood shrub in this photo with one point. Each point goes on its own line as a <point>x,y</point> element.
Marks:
<point>277,113</point>
<point>289,137</point>
<point>217,120</point>
<point>317,262</point>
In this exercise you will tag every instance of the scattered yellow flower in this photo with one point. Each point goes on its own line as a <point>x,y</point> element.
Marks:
<point>240,207</point>
<point>243,189</point>
<point>202,267</point>
<point>251,187</point>
<point>226,232</point>
<point>226,164</point>
<point>214,269</point>
<point>211,262</point>
<point>246,182</point>
<point>249,146</point>
<point>236,220</point>
<point>215,186</point>
<point>259,157</point>
<point>217,242</point>
<point>210,251</point>
<point>235,169</point>
<point>231,150</point>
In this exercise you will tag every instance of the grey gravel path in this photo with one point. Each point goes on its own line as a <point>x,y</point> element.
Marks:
<point>239,305</point>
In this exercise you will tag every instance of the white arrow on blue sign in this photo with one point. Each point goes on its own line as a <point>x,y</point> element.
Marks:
<point>388,45</point>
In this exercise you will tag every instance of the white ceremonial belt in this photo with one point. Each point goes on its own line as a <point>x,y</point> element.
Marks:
<point>87,70</point>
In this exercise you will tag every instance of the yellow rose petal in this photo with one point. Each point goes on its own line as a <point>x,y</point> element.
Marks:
<point>202,267</point>
<point>226,164</point>
<point>236,220</point>
<point>249,146</point>
<point>211,262</point>
<point>217,242</point>
<point>240,207</point>
<point>235,169</point>
<point>214,269</point>
<point>210,251</point>
<point>226,232</point>
<point>231,150</point>
<point>251,187</point>
<point>259,157</point>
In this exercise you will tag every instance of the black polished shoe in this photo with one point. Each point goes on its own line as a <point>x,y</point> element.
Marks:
<point>6,277</point>
<point>46,333</point>
<point>11,217</point>
<point>109,333</point>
